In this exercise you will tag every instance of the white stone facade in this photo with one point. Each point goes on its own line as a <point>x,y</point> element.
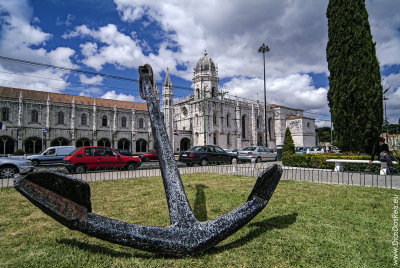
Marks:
<point>209,117</point>
<point>70,120</point>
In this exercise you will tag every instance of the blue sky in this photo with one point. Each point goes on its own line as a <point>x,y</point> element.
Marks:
<point>115,37</point>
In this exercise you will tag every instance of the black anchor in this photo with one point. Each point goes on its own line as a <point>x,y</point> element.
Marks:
<point>67,200</point>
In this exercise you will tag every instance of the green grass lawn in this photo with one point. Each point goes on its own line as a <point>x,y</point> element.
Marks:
<point>305,224</point>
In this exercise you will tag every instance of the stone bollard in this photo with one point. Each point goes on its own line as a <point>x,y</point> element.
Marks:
<point>253,166</point>
<point>234,165</point>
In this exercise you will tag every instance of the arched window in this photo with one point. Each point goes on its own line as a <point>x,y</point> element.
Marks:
<point>60,118</point>
<point>244,126</point>
<point>184,111</point>
<point>83,119</point>
<point>213,92</point>
<point>123,121</point>
<point>35,116</point>
<point>141,123</point>
<point>214,118</point>
<point>141,146</point>
<point>124,144</point>
<point>228,139</point>
<point>258,122</point>
<point>228,120</point>
<point>104,142</point>
<point>196,119</point>
<point>5,114</point>
<point>198,93</point>
<point>215,138</point>
<point>104,121</point>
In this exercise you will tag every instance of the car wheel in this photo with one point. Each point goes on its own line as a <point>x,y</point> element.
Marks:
<point>80,169</point>
<point>35,162</point>
<point>8,172</point>
<point>204,162</point>
<point>258,160</point>
<point>130,166</point>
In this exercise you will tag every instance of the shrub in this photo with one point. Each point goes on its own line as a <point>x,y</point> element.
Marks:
<point>288,144</point>
<point>19,152</point>
<point>319,161</point>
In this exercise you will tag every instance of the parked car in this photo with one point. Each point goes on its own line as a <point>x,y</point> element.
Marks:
<point>259,153</point>
<point>96,157</point>
<point>302,149</point>
<point>232,151</point>
<point>318,149</point>
<point>124,152</point>
<point>53,155</point>
<point>203,155</point>
<point>152,155</point>
<point>9,166</point>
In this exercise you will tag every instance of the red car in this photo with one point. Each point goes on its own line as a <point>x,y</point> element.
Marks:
<point>96,157</point>
<point>152,155</point>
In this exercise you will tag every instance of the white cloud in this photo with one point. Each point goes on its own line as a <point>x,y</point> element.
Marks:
<point>393,95</point>
<point>91,92</point>
<point>115,96</point>
<point>34,80</point>
<point>294,91</point>
<point>17,38</point>
<point>384,19</point>
<point>94,80</point>
<point>295,31</point>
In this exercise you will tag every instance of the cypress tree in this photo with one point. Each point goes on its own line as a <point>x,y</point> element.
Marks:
<point>288,144</point>
<point>355,92</point>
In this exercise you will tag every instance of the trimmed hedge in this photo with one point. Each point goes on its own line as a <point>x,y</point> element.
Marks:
<point>19,152</point>
<point>319,161</point>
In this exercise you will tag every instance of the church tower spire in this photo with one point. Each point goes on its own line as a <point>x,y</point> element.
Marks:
<point>168,108</point>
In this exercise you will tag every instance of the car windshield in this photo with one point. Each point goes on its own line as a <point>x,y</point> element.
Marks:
<point>74,151</point>
<point>249,149</point>
<point>49,151</point>
<point>196,149</point>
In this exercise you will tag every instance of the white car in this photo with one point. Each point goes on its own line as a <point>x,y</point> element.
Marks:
<point>53,155</point>
<point>259,153</point>
<point>10,166</point>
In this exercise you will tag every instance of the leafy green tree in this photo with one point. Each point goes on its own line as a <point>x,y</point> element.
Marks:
<point>288,144</point>
<point>356,94</point>
<point>324,134</point>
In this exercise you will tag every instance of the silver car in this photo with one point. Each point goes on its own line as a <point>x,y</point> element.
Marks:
<point>258,153</point>
<point>10,166</point>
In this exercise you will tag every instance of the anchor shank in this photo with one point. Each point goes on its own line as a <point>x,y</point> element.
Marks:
<point>179,208</point>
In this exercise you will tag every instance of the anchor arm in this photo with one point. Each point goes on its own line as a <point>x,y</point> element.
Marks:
<point>179,208</point>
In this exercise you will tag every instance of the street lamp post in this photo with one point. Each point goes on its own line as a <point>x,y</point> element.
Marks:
<point>204,113</point>
<point>264,49</point>
<point>386,121</point>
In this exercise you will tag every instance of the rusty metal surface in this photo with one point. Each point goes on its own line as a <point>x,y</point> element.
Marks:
<point>67,200</point>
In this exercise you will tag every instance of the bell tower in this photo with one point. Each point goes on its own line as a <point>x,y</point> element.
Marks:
<point>205,78</point>
<point>168,108</point>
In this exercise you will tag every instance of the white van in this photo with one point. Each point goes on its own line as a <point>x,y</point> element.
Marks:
<point>53,155</point>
